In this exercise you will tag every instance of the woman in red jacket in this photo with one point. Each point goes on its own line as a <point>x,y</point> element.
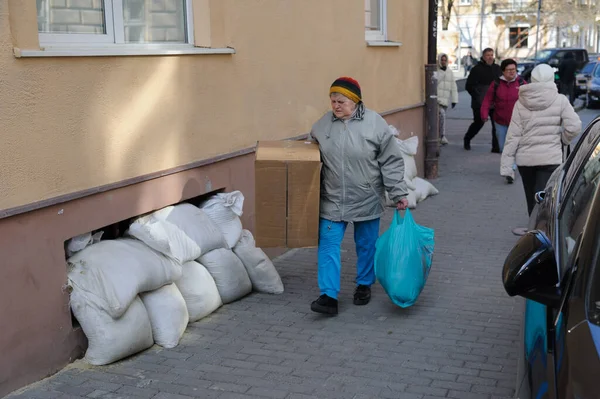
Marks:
<point>502,96</point>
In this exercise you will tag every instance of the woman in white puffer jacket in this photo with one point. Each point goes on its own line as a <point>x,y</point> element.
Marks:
<point>447,93</point>
<point>542,122</point>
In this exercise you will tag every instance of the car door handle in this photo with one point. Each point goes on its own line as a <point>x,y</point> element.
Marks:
<point>540,196</point>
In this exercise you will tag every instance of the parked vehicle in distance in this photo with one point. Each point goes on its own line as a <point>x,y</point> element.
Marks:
<point>556,268</point>
<point>552,57</point>
<point>583,77</point>
<point>592,97</point>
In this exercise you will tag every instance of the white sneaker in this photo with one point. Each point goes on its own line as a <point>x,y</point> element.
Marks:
<point>444,140</point>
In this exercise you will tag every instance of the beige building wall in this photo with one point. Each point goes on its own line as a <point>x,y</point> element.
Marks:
<point>71,124</point>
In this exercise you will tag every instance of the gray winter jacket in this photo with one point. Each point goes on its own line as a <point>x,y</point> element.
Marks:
<point>361,160</point>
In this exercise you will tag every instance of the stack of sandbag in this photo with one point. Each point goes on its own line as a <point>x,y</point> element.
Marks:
<point>418,189</point>
<point>105,280</point>
<point>187,233</point>
<point>262,272</point>
<point>184,233</point>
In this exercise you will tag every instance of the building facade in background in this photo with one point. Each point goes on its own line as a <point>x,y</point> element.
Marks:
<point>510,27</point>
<point>114,108</point>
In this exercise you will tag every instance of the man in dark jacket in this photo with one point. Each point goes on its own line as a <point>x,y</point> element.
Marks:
<point>566,74</point>
<point>480,78</point>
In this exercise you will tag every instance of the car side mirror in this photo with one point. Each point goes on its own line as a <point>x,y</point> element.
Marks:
<point>530,270</point>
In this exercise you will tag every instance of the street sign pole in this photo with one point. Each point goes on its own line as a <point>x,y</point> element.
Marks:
<point>481,28</point>
<point>537,30</point>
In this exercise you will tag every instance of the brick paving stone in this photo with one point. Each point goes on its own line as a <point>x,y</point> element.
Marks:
<point>458,341</point>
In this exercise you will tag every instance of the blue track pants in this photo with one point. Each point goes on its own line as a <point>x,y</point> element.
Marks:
<point>331,235</point>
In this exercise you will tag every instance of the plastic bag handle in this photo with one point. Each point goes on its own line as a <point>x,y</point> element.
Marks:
<point>399,218</point>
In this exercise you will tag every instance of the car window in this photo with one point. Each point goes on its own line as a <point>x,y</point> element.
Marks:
<point>586,142</point>
<point>597,73</point>
<point>576,204</point>
<point>579,55</point>
<point>559,55</point>
<point>593,283</point>
<point>543,54</point>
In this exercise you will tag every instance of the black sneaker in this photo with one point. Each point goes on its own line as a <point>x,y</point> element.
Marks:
<point>496,151</point>
<point>325,304</point>
<point>467,144</point>
<point>362,295</point>
<point>509,180</point>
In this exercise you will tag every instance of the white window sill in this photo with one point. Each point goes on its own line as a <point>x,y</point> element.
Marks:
<point>381,43</point>
<point>119,51</point>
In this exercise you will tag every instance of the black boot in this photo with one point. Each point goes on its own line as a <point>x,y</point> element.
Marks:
<point>362,295</point>
<point>467,144</point>
<point>325,304</point>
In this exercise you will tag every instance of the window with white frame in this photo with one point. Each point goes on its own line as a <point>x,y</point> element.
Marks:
<point>375,20</point>
<point>465,2</point>
<point>102,22</point>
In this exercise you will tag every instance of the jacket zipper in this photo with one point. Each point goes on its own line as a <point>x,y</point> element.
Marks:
<point>343,199</point>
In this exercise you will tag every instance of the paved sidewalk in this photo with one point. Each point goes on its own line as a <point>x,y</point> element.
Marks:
<point>459,341</point>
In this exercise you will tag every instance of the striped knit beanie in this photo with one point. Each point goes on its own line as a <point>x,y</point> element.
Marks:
<point>347,87</point>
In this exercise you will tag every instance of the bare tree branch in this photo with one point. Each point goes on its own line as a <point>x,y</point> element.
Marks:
<point>446,6</point>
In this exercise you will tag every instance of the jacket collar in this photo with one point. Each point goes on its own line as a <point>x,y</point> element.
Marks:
<point>358,115</point>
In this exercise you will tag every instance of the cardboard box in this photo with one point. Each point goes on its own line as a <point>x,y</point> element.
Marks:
<point>287,189</point>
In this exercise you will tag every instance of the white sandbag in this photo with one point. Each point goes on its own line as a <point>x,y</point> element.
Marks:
<point>110,274</point>
<point>229,273</point>
<point>225,210</point>
<point>424,189</point>
<point>111,339</point>
<point>182,232</point>
<point>199,291</point>
<point>409,146</point>
<point>168,314</point>
<point>82,241</point>
<point>409,149</point>
<point>262,272</point>
<point>412,199</point>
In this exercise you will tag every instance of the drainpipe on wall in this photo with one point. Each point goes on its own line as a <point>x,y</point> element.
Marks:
<point>432,143</point>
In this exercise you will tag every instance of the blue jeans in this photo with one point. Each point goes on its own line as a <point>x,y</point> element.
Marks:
<point>501,132</point>
<point>331,235</point>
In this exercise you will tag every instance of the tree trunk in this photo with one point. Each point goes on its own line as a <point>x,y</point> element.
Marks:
<point>446,11</point>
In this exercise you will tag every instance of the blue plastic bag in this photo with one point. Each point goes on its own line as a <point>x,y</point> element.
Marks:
<point>403,257</point>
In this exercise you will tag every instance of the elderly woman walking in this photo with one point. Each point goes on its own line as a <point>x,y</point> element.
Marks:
<point>542,122</point>
<point>361,160</point>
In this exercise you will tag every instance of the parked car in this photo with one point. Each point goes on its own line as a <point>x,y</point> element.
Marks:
<point>556,268</point>
<point>583,77</point>
<point>592,97</point>
<point>552,57</point>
